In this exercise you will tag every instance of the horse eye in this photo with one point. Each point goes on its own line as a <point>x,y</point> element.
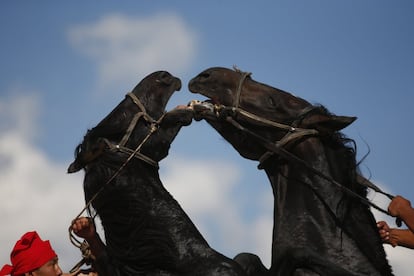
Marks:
<point>204,75</point>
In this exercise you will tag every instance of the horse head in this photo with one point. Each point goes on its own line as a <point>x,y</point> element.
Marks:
<point>145,104</point>
<point>258,107</point>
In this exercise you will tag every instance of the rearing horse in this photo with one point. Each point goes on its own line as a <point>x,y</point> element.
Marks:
<point>146,230</point>
<point>322,224</point>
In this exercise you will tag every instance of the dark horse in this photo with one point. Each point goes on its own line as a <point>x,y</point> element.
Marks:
<point>322,222</point>
<point>146,230</point>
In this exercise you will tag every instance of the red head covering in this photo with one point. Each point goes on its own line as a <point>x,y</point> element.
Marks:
<point>29,253</point>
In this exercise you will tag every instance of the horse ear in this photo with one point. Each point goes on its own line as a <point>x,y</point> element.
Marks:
<point>74,167</point>
<point>83,158</point>
<point>328,123</point>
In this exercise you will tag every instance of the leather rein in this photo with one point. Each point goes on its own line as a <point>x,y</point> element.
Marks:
<point>292,133</point>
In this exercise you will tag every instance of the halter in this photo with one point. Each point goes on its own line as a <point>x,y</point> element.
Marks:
<point>154,126</point>
<point>83,246</point>
<point>293,133</point>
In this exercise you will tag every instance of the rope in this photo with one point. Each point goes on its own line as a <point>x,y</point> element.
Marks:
<point>289,156</point>
<point>291,135</point>
<point>87,257</point>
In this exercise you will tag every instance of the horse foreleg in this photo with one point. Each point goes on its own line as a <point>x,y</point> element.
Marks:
<point>179,116</point>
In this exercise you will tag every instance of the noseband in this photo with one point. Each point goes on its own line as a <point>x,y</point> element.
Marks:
<point>120,147</point>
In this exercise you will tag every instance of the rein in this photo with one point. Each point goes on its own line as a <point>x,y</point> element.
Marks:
<point>277,149</point>
<point>293,133</point>
<point>83,246</point>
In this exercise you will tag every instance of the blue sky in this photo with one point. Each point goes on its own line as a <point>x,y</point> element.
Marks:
<point>66,65</point>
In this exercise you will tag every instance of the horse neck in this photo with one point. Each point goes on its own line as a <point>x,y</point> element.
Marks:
<point>145,228</point>
<point>328,177</point>
<point>173,220</point>
<point>285,175</point>
<point>308,211</point>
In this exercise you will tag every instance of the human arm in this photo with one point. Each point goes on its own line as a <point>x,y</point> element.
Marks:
<point>401,208</point>
<point>395,236</point>
<point>102,265</point>
<point>85,228</point>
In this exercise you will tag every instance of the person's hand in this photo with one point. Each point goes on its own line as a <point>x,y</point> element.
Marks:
<point>398,206</point>
<point>84,228</point>
<point>386,233</point>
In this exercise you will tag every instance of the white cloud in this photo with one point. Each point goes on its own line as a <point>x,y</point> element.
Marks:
<point>206,191</point>
<point>36,193</point>
<point>126,48</point>
<point>26,107</point>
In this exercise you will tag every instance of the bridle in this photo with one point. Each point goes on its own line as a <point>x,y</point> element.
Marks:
<point>120,147</point>
<point>154,124</point>
<point>293,133</point>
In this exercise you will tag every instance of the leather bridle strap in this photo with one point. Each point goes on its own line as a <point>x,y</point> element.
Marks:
<point>293,131</point>
<point>135,153</point>
<point>274,147</point>
<point>137,102</point>
<point>143,113</point>
<point>244,75</point>
<point>130,128</point>
<point>154,125</point>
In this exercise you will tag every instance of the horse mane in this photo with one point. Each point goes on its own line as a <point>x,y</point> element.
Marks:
<point>91,141</point>
<point>355,216</point>
<point>345,168</point>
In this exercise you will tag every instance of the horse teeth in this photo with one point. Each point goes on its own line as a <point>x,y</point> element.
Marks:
<point>200,106</point>
<point>192,103</point>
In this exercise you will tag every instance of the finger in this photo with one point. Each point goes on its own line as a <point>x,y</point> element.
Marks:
<point>380,224</point>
